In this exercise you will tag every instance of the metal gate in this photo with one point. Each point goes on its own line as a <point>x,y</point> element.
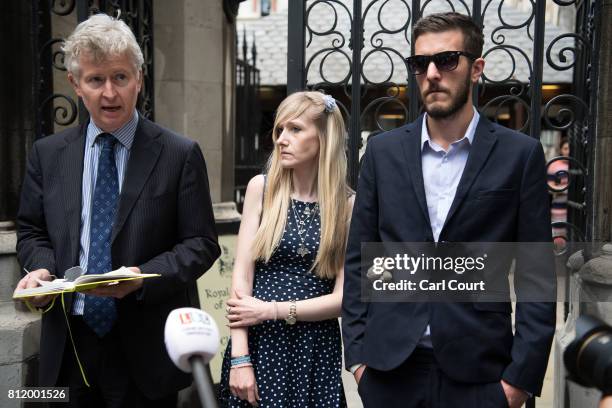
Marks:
<point>367,33</point>
<point>544,53</point>
<point>249,147</point>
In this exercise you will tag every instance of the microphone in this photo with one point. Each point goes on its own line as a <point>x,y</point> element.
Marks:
<point>192,340</point>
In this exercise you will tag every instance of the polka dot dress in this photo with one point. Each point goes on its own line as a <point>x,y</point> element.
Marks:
<point>295,365</point>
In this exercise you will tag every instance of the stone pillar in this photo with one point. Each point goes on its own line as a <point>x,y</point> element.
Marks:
<point>194,71</point>
<point>19,329</point>
<point>590,292</point>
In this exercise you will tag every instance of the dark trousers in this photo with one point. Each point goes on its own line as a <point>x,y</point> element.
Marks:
<point>106,370</point>
<point>419,383</point>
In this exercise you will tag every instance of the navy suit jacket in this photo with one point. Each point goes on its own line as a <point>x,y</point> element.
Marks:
<point>164,224</point>
<point>502,197</point>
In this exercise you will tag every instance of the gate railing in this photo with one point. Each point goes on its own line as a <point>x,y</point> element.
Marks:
<point>250,154</point>
<point>546,56</point>
<point>355,33</point>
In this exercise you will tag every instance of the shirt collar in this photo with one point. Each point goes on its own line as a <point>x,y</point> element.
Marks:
<point>469,133</point>
<point>125,134</point>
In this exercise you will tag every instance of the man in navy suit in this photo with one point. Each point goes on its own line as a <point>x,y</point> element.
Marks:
<point>450,176</point>
<point>117,191</point>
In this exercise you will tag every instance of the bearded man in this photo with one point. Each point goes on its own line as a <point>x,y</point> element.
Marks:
<point>450,176</point>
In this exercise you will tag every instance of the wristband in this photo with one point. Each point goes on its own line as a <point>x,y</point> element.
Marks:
<point>242,365</point>
<point>236,361</point>
<point>275,310</point>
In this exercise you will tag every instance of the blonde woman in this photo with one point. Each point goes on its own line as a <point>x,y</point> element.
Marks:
<point>285,348</point>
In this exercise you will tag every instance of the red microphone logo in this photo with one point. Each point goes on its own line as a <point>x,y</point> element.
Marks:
<point>185,318</point>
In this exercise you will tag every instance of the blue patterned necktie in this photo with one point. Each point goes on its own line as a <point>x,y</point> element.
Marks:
<point>100,313</point>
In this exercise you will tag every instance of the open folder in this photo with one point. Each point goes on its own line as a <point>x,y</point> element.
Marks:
<point>83,282</point>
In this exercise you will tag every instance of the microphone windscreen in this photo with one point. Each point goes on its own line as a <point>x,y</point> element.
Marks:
<point>190,332</point>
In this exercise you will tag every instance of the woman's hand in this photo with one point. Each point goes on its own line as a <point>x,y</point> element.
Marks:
<point>244,311</point>
<point>242,384</point>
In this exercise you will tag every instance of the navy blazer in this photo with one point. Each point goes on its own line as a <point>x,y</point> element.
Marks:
<point>164,224</point>
<point>502,197</point>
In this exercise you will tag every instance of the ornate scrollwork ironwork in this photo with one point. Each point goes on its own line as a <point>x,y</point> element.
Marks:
<point>512,74</point>
<point>517,92</point>
<point>509,32</point>
<point>62,7</point>
<point>378,46</point>
<point>496,36</point>
<point>450,4</point>
<point>384,54</point>
<point>57,56</point>
<point>340,40</point>
<point>374,39</point>
<point>373,50</point>
<point>502,100</point>
<point>565,116</point>
<point>334,52</point>
<point>574,118</point>
<point>62,115</point>
<point>567,49</point>
<point>145,39</point>
<point>379,103</point>
<point>565,2</point>
<point>326,53</point>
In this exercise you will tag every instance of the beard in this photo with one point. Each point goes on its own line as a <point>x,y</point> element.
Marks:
<point>458,100</point>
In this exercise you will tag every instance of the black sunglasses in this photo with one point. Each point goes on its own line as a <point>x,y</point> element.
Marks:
<point>445,61</point>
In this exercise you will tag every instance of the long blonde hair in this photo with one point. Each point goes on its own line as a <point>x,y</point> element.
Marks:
<point>332,188</point>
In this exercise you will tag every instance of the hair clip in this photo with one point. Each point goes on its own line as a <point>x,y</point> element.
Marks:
<point>330,103</point>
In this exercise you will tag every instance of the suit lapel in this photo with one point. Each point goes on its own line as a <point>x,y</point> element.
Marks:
<point>484,140</point>
<point>143,158</point>
<point>411,144</point>
<point>71,164</point>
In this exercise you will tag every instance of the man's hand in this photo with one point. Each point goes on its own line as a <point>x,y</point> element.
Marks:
<point>606,402</point>
<point>118,290</point>
<point>29,281</point>
<point>359,373</point>
<point>515,396</point>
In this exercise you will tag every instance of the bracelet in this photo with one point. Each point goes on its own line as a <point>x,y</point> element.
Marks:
<point>275,310</point>
<point>236,361</point>
<point>291,318</point>
<point>241,365</point>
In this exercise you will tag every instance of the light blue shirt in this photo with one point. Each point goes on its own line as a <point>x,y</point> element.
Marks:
<point>125,136</point>
<point>442,170</point>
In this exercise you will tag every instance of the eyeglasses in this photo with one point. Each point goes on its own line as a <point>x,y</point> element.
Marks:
<point>445,61</point>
